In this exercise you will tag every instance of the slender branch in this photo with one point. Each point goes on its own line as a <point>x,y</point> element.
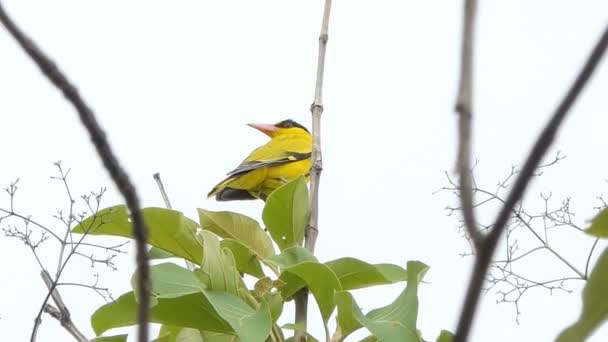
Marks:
<point>542,144</point>
<point>161,187</point>
<point>62,310</point>
<point>544,243</point>
<point>464,103</point>
<point>28,219</point>
<point>312,229</point>
<point>589,257</point>
<point>98,137</point>
<point>163,193</point>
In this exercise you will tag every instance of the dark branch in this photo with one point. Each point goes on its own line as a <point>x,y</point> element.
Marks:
<point>542,144</point>
<point>464,103</point>
<point>97,135</point>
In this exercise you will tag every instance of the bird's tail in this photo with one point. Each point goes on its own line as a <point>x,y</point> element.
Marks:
<point>218,188</point>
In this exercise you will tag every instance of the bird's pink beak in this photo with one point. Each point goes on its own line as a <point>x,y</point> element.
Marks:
<point>267,129</point>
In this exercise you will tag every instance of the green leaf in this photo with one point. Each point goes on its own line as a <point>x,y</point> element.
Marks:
<point>191,311</point>
<point>219,265</point>
<point>298,269</point>
<point>178,334</point>
<point>247,231</point>
<point>250,325</point>
<point>209,336</point>
<point>369,338</point>
<point>275,305</point>
<point>445,336</point>
<point>291,256</point>
<point>262,291</point>
<point>115,338</point>
<point>394,322</point>
<point>397,321</point>
<point>595,304</point>
<point>290,283</point>
<point>356,274</point>
<point>245,260</point>
<point>156,253</point>
<point>168,229</point>
<point>286,213</point>
<point>346,322</point>
<point>169,281</point>
<point>599,225</point>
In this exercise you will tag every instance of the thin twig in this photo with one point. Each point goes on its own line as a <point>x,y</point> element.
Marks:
<point>464,104</point>
<point>119,176</point>
<point>64,314</point>
<point>589,257</point>
<point>161,187</point>
<point>312,229</point>
<point>163,193</point>
<point>542,144</point>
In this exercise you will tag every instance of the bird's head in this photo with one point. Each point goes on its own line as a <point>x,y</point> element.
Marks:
<point>284,127</point>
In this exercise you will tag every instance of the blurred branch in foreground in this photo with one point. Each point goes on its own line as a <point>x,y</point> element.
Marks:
<point>107,156</point>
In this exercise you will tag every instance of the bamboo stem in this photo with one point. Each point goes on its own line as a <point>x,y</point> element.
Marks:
<point>312,229</point>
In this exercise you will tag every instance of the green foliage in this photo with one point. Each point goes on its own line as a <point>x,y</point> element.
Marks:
<point>599,226</point>
<point>246,261</point>
<point>168,229</point>
<point>286,213</point>
<point>445,336</point>
<point>356,274</point>
<point>184,311</point>
<point>156,253</point>
<point>213,303</point>
<point>218,266</point>
<point>346,322</point>
<point>237,227</point>
<point>595,304</point>
<point>249,324</point>
<point>300,269</point>
<point>115,338</point>
<point>394,322</point>
<point>169,281</point>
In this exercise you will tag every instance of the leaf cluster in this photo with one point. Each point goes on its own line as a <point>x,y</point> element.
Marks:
<point>213,302</point>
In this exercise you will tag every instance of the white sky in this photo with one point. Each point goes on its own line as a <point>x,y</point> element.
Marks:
<point>173,84</point>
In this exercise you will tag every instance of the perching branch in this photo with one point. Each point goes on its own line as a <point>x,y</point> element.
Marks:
<point>98,137</point>
<point>312,229</point>
<point>464,104</point>
<point>544,141</point>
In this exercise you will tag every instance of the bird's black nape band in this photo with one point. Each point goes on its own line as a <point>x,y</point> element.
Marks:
<point>230,194</point>
<point>289,124</point>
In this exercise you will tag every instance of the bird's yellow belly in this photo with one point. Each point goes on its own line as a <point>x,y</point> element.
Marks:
<point>263,181</point>
<point>281,174</point>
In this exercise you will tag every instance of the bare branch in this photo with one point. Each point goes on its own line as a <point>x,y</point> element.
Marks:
<point>119,176</point>
<point>542,144</point>
<point>161,187</point>
<point>589,257</point>
<point>191,266</point>
<point>61,313</point>
<point>464,103</point>
<point>312,229</point>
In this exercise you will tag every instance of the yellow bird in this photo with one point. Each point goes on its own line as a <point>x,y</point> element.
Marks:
<point>285,157</point>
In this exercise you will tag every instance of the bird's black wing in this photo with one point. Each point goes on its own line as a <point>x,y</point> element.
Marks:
<point>247,166</point>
